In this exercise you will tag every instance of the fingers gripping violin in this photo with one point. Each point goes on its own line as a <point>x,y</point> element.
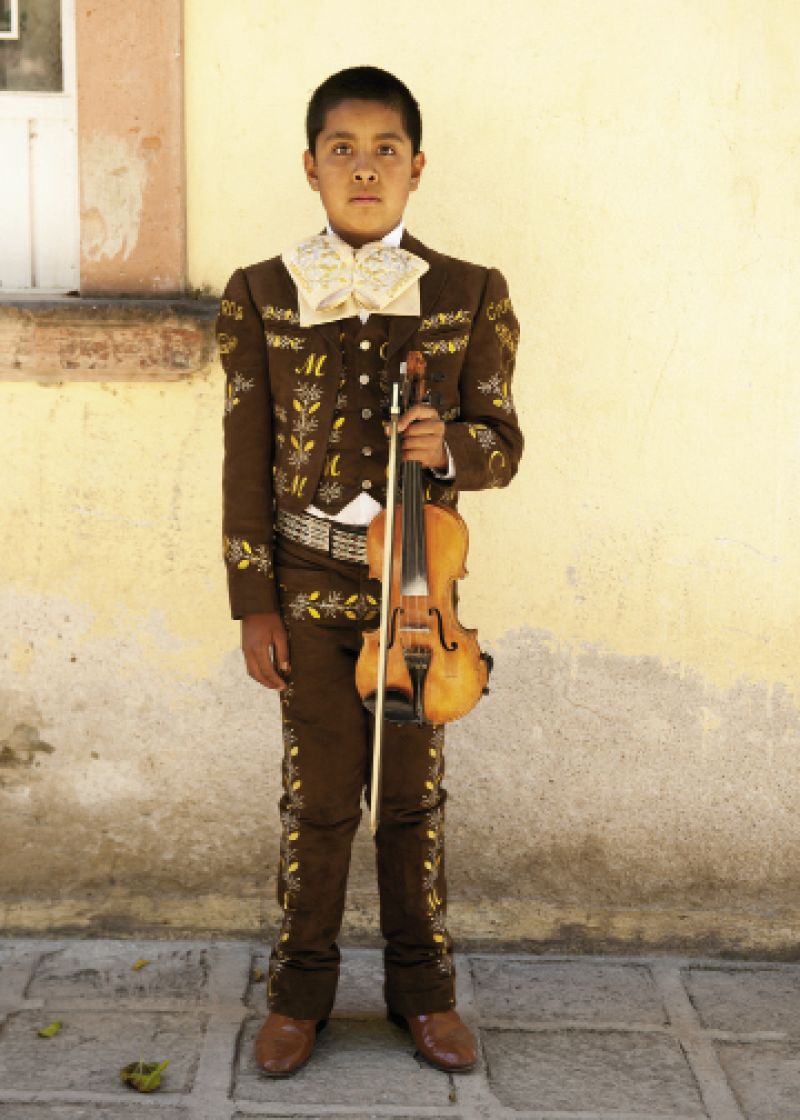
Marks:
<point>421,665</point>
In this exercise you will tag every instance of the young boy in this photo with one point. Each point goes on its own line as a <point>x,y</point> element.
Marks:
<point>309,342</point>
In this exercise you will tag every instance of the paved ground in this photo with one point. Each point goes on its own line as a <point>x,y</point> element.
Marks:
<point>562,1038</point>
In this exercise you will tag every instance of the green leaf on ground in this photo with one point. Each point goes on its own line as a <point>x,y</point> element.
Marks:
<point>143,1076</point>
<point>51,1029</point>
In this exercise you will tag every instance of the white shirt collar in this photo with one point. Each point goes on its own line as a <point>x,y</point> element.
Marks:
<point>393,237</point>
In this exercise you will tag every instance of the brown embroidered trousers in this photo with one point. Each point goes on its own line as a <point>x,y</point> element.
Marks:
<point>327,733</point>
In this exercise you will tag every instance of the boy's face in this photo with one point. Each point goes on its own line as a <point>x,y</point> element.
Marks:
<point>364,169</point>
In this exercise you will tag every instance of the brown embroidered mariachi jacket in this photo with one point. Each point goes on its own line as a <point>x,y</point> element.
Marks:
<point>277,428</point>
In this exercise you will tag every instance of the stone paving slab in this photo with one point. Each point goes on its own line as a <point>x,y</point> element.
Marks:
<point>92,1046</point>
<point>88,970</point>
<point>133,1110</point>
<point>568,1071</point>
<point>349,1115</point>
<point>360,991</point>
<point>354,1062</point>
<point>746,1000</point>
<point>563,1038</point>
<point>765,1078</point>
<point>541,990</point>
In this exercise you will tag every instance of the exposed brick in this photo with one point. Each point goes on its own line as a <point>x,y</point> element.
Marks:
<point>105,339</point>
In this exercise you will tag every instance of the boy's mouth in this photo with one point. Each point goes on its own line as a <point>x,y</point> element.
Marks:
<point>365,198</point>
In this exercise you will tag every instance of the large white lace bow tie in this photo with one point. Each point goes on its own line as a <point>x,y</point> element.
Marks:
<point>334,281</point>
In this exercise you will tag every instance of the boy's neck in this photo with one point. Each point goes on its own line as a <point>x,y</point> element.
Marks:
<point>355,241</point>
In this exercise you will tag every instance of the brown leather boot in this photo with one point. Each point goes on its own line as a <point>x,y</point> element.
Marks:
<point>283,1044</point>
<point>442,1038</point>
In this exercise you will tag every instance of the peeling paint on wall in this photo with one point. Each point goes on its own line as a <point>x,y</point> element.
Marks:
<point>113,180</point>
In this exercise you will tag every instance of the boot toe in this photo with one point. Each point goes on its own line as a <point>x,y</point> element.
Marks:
<point>283,1044</point>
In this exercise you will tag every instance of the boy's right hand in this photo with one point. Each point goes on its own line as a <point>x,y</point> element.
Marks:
<point>265,645</point>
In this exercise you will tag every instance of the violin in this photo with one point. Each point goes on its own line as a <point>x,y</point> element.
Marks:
<point>420,665</point>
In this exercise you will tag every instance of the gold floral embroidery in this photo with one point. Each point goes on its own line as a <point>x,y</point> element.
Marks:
<point>499,390</point>
<point>501,307</point>
<point>509,339</point>
<point>446,345</point>
<point>291,804</point>
<point>336,430</point>
<point>305,404</point>
<point>430,797</point>
<point>284,341</point>
<point>229,309</point>
<point>227,342</point>
<point>236,386</point>
<point>446,319</point>
<point>496,460</point>
<point>451,413</point>
<point>242,555</point>
<point>311,604</point>
<point>282,484</point>
<point>329,491</point>
<point>483,434</point>
<point>432,860</point>
<point>280,315</point>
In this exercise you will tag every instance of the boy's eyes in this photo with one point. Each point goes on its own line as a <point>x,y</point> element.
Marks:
<point>344,149</point>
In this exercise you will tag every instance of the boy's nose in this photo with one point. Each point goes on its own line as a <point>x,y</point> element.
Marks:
<point>365,175</point>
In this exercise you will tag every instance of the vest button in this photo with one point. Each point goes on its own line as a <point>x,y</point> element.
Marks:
<point>365,344</point>
<point>366,413</point>
<point>364,378</point>
<point>366,450</point>
<point>366,484</point>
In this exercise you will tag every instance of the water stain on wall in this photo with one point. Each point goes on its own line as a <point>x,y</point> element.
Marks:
<point>21,750</point>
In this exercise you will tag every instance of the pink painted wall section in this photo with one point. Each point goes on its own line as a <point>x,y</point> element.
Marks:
<point>130,128</point>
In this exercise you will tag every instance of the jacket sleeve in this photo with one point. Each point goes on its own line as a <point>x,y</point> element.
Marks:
<point>247,517</point>
<point>485,441</point>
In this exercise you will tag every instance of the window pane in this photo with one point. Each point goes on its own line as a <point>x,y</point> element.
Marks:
<point>32,62</point>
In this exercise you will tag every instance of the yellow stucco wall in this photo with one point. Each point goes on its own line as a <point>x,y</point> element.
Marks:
<point>632,168</point>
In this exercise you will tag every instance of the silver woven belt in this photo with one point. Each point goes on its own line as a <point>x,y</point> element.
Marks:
<point>339,541</point>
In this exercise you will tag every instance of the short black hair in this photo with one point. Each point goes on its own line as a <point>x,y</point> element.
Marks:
<point>363,83</point>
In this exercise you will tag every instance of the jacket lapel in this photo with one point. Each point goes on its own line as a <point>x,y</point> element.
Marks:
<point>402,327</point>
<point>322,336</point>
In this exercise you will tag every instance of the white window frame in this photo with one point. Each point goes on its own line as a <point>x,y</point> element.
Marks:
<point>40,218</point>
<point>13,31</point>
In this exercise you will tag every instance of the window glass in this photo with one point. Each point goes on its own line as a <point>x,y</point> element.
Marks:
<point>31,63</point>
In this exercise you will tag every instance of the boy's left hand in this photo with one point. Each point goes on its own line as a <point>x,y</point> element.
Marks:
<point>422,432</point>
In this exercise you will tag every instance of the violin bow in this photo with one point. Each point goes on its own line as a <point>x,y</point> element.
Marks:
<point>386,596</point>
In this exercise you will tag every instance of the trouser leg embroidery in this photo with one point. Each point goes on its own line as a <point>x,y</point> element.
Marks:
<point>326,770</point>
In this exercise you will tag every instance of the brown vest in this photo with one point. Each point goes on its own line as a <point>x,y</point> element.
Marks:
<point>356,456</point>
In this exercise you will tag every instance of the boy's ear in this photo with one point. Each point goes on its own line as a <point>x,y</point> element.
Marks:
<point>417,164</point>
<point>310,168</point>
